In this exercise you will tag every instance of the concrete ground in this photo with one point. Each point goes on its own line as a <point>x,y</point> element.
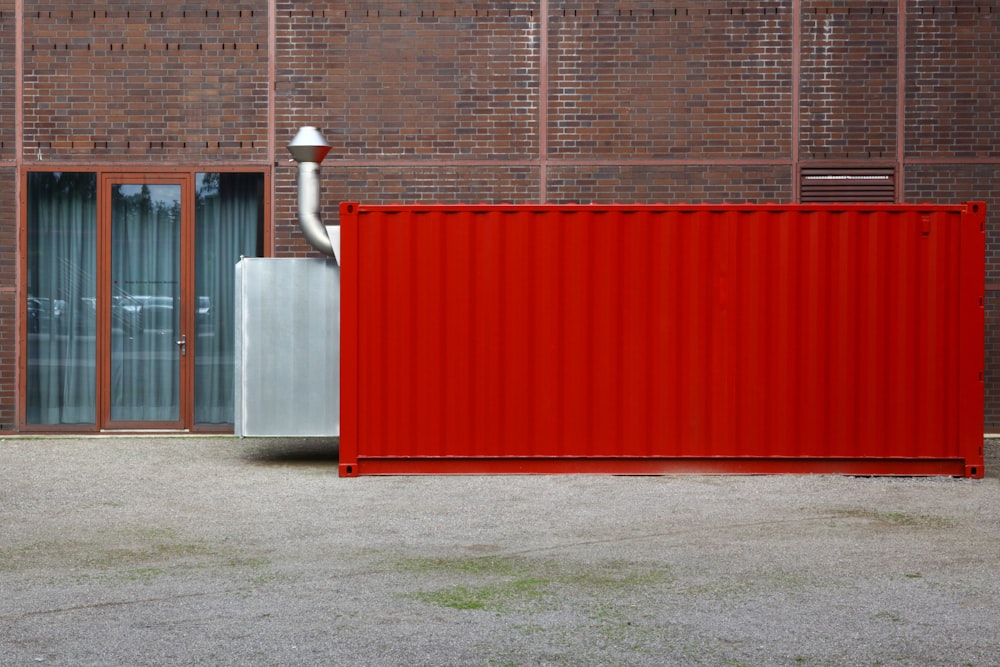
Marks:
<point>221,551</point>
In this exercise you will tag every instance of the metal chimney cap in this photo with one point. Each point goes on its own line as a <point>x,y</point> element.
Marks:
<point>309,145</point>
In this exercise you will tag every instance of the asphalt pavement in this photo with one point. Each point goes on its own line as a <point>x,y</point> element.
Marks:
<point>227,551</point>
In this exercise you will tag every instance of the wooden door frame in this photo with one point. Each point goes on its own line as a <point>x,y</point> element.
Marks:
<point>174,170</point>
<point>186,292</point>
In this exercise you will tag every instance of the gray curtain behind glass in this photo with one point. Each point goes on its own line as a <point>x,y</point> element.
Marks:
<point>229,223</point>
<point>62,288</point>
<point>145,286</point>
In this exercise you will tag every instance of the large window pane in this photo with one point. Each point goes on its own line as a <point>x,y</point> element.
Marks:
<point>145,295</point>
<point>61,299</point>
<point>229,215</point>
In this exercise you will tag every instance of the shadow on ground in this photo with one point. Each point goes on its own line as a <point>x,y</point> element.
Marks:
<point>294,451</point>
<point>326,451</point>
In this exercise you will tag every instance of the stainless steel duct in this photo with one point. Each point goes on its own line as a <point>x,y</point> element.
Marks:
<point>308,148</point>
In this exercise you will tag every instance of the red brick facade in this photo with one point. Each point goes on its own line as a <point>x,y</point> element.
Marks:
<point>144,81</point>
<point>7,78</point>
<point>8,218</point>
<point>506,101</point>
<point>849,80</point>
<point>8,299</point>
<point>702,81</point>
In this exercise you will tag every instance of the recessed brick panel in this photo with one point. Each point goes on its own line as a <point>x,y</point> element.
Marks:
<point>8,299</point>
<point>661,184</point>
<point>849,81</point>
<point>658,80</point>
<point>413,80</point>
<point>8,31</point>
<point>953,69</point>
<point>145,81</point>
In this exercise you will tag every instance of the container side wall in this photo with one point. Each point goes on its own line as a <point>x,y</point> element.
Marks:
<point>732,334</point>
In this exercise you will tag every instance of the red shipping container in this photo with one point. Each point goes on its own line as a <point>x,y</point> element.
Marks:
<point>647,339</point>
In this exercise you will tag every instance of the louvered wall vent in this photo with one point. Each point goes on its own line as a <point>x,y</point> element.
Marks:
<point>848,185</point>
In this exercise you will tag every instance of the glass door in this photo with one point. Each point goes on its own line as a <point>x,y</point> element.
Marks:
<point>147,306</point>
<point>128,308</point>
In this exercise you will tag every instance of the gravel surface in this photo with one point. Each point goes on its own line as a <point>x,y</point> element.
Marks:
<point>221,551</point>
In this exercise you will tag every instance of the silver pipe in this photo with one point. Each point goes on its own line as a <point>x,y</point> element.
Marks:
<point>309,191</point>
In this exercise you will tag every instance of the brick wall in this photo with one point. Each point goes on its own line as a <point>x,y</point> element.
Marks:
<point>443,100</point>
<point>145,81</point>
<point>8,219</point>
<point>438,85</point>
<point>656,80</point>
<point>8,299</point>
<point>410,80</point>
<point>952,75</point>
<point>849,81</point>
<point>689,183</point>
<point>8,29</point>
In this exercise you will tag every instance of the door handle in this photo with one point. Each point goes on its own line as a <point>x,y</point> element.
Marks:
<point>182,343</point>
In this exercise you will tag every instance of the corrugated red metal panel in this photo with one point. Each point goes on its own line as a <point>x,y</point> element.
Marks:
<point>639,339</point>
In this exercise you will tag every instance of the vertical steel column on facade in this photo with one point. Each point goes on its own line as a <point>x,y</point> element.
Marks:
<point>796,94</point>
<point>900,99</point>
<point>543,101</point>
<point>272,65</point>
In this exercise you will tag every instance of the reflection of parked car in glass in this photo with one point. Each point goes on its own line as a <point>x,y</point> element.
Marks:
<point>204,314</point>
<point>126,314</point>
<point>129,314</point>
<point>45,315</point>
<point>38,313</point>
<point>84,316</point>
<point>156,313</point>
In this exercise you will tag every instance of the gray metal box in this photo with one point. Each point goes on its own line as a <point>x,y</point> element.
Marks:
<point>287,347</point>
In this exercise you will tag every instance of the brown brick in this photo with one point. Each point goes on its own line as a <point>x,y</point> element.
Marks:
<point>442,101</point>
